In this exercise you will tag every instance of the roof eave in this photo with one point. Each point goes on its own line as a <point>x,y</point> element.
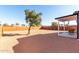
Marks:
<point>65,16</point>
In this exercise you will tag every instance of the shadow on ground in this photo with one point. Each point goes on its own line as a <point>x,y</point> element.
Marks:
<point>13,34</point>
<point>46,43</point>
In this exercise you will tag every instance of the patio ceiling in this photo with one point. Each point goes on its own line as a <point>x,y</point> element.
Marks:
<point>67,18</point>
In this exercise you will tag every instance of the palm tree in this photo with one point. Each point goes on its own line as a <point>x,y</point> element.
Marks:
<point>32,18</point>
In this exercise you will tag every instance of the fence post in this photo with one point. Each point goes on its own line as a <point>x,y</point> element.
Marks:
<point>0,31</point>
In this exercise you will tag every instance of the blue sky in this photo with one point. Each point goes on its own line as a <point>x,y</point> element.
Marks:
<point>15,13</point>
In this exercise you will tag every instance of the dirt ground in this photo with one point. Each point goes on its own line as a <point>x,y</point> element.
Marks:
<point>39,41</point>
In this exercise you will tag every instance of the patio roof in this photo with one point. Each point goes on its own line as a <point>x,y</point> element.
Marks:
<point>74,16</point>
<point>67,18</point>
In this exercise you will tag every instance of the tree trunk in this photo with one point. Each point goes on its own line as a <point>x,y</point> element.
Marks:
<point>29,29</point>
<point>2,30</point>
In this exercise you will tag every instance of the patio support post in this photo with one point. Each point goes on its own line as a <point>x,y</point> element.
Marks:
<point>64,26</point>
<point>78,26</point>
<point>68,26</point>
<point>58,28</point>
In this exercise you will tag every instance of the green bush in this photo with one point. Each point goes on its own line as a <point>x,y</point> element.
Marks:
<point>71,30</point>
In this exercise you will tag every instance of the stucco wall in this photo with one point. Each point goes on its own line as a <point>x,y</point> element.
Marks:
<point>56,27</point>
<point>17,28</point>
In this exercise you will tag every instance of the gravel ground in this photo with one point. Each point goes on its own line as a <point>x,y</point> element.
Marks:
<point>39,41</point>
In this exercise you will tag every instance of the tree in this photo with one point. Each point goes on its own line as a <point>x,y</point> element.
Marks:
<point>76,12</point>
<point>12,25</point>
<point>32,18</point>
<point>17,24</point>
<point>0,23</point>
<point>22,24</point>
<point>54,24</point>
<point>5,24</point>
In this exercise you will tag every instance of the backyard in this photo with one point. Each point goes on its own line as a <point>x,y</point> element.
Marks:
<point>41,31</point>
<point>37,41</point>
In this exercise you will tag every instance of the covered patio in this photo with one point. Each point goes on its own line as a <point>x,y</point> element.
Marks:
<point>69,32</point>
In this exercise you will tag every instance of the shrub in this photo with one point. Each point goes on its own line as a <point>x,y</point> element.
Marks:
<point>54,24</point>
<point>71,30</point>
